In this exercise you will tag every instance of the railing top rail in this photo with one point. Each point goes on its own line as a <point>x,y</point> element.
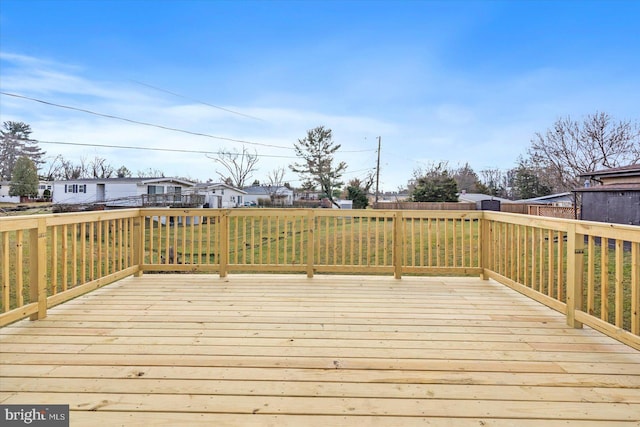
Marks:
<point>601,229</point>
<point>31,221</point>
<point>377,213</point>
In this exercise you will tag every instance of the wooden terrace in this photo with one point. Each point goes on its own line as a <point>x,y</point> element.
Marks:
<point>521,331</point>
<point>332,350</point>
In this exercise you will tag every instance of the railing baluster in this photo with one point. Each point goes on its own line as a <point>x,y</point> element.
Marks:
<point>6,273</point>
<point>604,279</point>
<point>53,271</point>
<point>619,289</point>
<point>591,260</point>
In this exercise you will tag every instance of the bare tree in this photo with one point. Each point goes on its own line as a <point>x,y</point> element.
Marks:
<point>100,168</point>
<point>54,169</point>
<point>275,185</point>
<point>239,166</point>
<point>150,173</point>
<point>74,171</point>
<point>571,148</point>
<point>468,180</point>
<point>496,181</point>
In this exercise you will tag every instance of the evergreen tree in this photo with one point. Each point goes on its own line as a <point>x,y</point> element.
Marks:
<point>437,185</point>
<point>358,193</point>
<point>25,178</point>
<point>527,182</point>
<point>317,150</point>
<point>15,143</point>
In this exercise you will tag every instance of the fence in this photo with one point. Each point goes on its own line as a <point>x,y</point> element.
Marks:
<point>567,212</point>
<point>588,271</point>
<point>520,208</point>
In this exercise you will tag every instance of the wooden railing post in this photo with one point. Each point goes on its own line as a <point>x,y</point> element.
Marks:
<point>224,243</point>
<point>575,267</point>
<point>38,269</point>
<point>397,244</point>
<point>138,239</point>
<point>484,246</point>
<point>310,242</point>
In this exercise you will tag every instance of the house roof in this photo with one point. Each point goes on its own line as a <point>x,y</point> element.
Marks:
<point>613,187</point>
<point>214,186</point>
<point>129,179</point>
<point>548,198</point>
<point>263,190</point>
<point>478,197</point>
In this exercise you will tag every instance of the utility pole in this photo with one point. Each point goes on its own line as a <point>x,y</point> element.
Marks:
<point>378,173</point>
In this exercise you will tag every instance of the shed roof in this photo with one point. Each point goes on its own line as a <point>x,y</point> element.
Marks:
<point>629,170</point>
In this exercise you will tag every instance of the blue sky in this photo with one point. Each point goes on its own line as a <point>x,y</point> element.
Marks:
<point>456,81</point>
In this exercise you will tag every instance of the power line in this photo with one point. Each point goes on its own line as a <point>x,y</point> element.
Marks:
<point>110,116</point>
<point>133,147</point>
<point>195,100</point>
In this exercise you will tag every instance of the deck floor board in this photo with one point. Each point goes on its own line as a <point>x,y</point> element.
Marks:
<point>334,350</point>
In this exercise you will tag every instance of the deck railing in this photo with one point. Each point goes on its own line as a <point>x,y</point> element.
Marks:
<point>588,271</point>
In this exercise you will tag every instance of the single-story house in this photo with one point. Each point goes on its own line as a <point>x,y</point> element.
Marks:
<point>6,185</point>
<point>311,195</point>
<point>123,192</point>
<point>343,204</point>
<point>4,193</point>
<point>483,201</point>
<point>393,196</point>
<point>611,195</point>
<point>266,194</point>
<point>218,195</point>
<point>560,199</point>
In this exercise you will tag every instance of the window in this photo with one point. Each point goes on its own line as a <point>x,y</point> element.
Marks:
<point>155,189</point>
<point>75,188</point>
<point>174,190</point>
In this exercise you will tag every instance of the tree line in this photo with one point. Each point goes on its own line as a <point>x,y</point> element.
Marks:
<point>553,161</point>
<point>552,164</point>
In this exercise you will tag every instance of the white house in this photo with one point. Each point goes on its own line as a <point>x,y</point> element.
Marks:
<point>265,194</point>
<point>559,199</point>
<point>6,198</point>
<point>343,204</point>
<point>4,193</point>
<point>219,195</point>
<point>122,192</point>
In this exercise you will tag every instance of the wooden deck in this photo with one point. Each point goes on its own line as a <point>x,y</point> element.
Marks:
<point>284,350</point>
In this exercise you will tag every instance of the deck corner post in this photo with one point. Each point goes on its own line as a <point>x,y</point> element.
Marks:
<point>311,217</point>
<point>38,269</point>
<point>397,244</point>
<point>575,267</point>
